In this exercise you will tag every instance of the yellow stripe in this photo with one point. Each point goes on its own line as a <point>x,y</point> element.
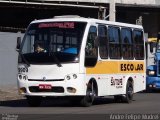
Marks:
<point>114,67</point>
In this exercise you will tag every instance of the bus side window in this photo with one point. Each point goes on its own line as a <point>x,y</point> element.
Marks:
<point>114,42</point>
<point>91,50</point>
<point>90,45</point>
<point>127,43</point>
<point>138,44</point>
<point>103,41</point>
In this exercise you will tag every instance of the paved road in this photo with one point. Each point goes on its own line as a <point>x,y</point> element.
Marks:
<point>144,103</point>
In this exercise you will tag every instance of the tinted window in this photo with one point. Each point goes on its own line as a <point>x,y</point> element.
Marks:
<point>114,42</point>
<point>43,42</point>
<point>127,43</point>
<point>138,44</point>
<point>91,50</point>
<point>103,42</point>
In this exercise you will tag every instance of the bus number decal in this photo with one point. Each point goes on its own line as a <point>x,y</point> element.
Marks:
<point>21,70</point>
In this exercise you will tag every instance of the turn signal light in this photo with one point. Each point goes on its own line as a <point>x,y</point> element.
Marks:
<point>71,90</point>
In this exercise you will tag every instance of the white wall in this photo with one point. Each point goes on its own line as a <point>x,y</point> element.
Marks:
<point>8,59</point>
<point>138,2</point>
<point>144,2</point>
<point>149,2</point>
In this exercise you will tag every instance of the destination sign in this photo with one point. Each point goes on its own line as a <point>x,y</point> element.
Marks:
<point>57,25</point>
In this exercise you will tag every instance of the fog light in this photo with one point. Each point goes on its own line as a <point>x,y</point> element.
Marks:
<point>71,90</point>
<point>150,86</point>
<point>22,90</point>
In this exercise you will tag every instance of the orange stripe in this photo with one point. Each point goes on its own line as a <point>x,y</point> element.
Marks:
<point>114,67</point>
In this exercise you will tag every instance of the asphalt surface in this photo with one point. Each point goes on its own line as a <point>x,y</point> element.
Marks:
<point>143,103</point>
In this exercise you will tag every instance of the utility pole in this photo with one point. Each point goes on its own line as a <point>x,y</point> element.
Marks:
<point>112,10</point>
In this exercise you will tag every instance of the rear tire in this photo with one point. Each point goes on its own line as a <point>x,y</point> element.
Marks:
<point>128,98</point>
<point>33,101</point>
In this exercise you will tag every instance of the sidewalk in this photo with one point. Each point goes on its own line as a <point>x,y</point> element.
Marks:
<point>10,94</point>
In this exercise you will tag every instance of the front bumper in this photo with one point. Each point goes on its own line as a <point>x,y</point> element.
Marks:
<point>72,87</point>
<point>153,82</point>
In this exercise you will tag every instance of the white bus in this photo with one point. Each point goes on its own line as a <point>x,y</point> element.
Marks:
<point>80,59</point>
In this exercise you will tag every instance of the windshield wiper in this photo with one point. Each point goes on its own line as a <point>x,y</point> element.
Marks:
<point>55,59</point>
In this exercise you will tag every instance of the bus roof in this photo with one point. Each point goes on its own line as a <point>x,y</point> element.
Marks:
<point>88,20</point>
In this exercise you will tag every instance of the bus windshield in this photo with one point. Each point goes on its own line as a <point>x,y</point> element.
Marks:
<point>52,42</point>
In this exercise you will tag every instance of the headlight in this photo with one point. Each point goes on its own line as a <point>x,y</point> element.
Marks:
<point>22,77</point>
<point>71,76</point>
<point>151,72</point>
<point>25,77</point>
<point>68,77</point>
<point>74,76</point>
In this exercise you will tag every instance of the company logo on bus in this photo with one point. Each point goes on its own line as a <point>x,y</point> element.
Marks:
<point>44,78</point>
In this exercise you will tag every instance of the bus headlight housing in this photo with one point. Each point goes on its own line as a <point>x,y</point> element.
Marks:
<point>22,77</point>
<point>68,77</point>
<point>74,76</point>
<point>71,76</point>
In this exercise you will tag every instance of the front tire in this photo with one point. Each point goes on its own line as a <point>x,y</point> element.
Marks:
<point>87,100</point>
<point>33,101</point>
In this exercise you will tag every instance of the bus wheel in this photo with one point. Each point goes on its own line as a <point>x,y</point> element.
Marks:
<point>87,100</point>
<point>129,92</point>
<point>33,101</point>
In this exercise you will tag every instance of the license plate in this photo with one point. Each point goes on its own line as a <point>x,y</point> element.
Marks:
<point>45,87</point>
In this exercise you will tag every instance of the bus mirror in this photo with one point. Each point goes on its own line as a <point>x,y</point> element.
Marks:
<point>18,43</point>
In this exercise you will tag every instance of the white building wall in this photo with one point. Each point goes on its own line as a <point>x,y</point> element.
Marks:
<point>138,2</point>
<point>8,59</point>
<point>135,2</point>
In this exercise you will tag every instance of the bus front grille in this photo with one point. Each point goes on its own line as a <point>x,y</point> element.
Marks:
<point>56,89</point>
